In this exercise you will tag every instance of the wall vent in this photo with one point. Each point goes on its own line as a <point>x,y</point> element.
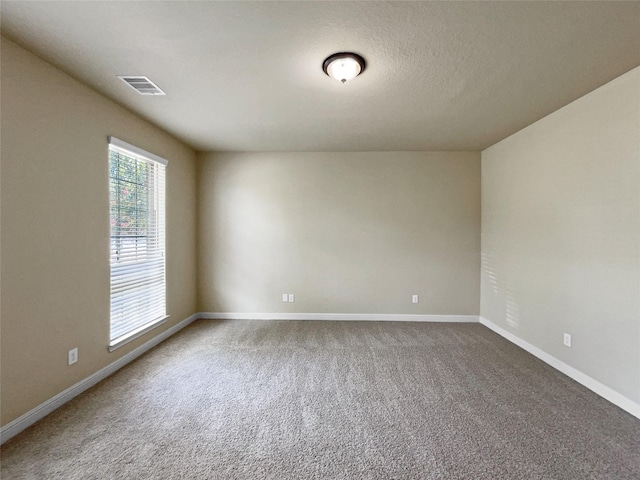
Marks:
<point>141,84</point>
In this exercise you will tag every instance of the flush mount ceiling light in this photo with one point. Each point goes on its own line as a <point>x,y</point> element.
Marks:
<point>343,66</point>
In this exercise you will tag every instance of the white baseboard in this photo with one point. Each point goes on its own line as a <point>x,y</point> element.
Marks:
<point>11,429</point>
<point>605,392</point>
<point>367,317</point>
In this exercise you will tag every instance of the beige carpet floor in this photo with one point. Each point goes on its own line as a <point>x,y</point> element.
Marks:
<point>331,400</point>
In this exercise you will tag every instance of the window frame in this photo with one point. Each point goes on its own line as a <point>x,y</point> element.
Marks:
<point>156,186</point>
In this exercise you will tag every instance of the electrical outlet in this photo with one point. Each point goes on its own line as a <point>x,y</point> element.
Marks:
<point>567,340</point>
<point>291,298</point>
<point>415,298</point>
<point>73,356</point>
<point>285,297</point>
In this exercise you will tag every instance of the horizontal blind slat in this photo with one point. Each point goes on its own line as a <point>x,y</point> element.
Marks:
<point>138,296</point>
<point>136,268</point>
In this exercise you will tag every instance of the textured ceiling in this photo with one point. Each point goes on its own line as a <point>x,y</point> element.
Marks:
<point>247,75</point>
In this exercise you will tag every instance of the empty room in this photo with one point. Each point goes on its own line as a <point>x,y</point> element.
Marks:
<point>320,240</point>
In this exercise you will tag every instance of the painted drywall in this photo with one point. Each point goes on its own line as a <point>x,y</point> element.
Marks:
<point>55,228</point>
<point>344,232</point>
<point>561,234</point>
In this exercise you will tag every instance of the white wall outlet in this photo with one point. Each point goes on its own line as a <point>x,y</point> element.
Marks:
<point>285,297</point>
<point>567,340</point>
<point>292,298</point>
<point>415,298</point>
<point>73,356</point>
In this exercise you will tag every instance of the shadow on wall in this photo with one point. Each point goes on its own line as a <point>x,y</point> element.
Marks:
<point>491,271</point>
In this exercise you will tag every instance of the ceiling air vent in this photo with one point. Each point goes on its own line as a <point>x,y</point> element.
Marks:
<point>141,84</point>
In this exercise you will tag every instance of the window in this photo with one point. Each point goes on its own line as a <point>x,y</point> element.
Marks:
<point>138,280</point>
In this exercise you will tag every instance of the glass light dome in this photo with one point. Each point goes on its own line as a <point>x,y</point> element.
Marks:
<point>343,66</point>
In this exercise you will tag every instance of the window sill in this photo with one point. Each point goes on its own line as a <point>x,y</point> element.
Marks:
<point>138,332</point>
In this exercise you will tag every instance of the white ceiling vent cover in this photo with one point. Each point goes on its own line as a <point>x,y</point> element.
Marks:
<point>141,84</point>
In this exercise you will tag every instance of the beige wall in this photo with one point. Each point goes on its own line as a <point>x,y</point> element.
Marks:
<point>55,228</point>
<point>344,232</point>
<point>561,234</point>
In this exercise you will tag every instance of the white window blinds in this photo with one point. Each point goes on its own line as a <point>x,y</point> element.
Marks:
<point>137,204</point>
